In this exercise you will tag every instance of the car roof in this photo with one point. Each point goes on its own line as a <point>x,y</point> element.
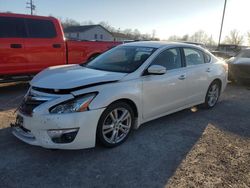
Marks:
<point>161,44</point>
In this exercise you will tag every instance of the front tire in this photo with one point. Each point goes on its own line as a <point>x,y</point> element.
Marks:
<point>212,96</point>
<point>115,124</point>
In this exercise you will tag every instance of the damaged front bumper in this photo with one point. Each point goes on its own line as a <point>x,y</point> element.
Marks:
<point>58,131</point>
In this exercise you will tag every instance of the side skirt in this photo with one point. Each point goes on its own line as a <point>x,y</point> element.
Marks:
<point>171,112</point>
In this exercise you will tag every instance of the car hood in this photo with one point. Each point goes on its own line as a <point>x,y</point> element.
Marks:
<point>72,76</point>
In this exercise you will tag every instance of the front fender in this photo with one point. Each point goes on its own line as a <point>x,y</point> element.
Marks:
<point>119,90</point>
<point>109,93</point>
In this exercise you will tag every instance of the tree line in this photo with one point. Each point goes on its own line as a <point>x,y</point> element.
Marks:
<point>234,37</point>
<point>133,34</point>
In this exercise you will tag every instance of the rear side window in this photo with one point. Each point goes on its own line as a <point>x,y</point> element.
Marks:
<point>170,58</point>
<point>12,27</point>
<point>193,57</point>
<point>40,28</point>
<point>207,58</point>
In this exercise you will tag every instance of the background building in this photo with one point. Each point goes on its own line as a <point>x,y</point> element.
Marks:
<point>94,32</point>
<point>88,32</point>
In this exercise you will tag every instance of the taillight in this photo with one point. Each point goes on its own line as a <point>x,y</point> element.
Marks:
<point>225,66</point>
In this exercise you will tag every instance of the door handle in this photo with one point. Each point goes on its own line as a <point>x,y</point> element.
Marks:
<point>56,45</point>
<point>15,45</point>
<point>182,77</point>
<point>208,70</point>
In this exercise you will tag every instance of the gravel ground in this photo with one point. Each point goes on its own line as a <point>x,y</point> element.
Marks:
<point>10,97</point>
<point>191,148</point>
<point>218,159</point>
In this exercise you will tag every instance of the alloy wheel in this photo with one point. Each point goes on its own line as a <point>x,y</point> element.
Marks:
<point>213,95</point>
<point>116,125</point>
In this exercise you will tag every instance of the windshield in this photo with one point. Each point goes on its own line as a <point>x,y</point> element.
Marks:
<point>124,59</point>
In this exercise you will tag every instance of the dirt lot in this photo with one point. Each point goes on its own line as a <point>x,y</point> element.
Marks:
<point>191,148</point>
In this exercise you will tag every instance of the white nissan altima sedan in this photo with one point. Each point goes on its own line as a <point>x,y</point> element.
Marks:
<point>73,106</point>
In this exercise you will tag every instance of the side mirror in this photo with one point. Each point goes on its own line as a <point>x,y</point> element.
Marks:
<point>157,70</point>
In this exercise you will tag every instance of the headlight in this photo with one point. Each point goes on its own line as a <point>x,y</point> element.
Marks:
<point>79,104</point>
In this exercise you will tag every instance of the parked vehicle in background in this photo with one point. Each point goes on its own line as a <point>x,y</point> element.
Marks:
<point>226,51</point>
<point>239,66</point>
<point>29,44</point>
<point>70,106</point>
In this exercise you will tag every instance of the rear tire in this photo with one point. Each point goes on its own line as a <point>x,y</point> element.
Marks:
<point>115,124</point>
<point>213,94</point>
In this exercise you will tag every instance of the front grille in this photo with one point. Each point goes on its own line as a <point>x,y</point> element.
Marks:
<point>33,100</point>
<point>28,105</point>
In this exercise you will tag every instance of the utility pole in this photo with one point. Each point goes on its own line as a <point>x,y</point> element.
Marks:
<point>222,21</point>
<point>31,6</point>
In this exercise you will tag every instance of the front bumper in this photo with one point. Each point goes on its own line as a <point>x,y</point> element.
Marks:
<point>38,126</point>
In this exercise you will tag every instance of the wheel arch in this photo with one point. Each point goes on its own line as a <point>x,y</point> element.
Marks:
<point>219,81</point>
<point>134,107</point>
<point>130,102</point>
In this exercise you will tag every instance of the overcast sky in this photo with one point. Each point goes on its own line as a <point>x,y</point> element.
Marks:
<point>167,17</point>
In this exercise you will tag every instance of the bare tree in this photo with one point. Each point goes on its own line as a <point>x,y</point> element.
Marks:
<point>202,37</point>
<point>108,26</point>
<point>153,33</point>
<point>174,38</point>
<point>87,23</point>
<point>69,22</point>
<point>136,34</point>
<point>133,34</point>
<point>248,37</point>
<point>185,38</point>
<point>210,41</point>
<point>199,36</point>
<point>128,32</point>
<point>234,38</point>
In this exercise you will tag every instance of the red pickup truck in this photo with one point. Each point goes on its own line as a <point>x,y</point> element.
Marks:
<point>28,44</point>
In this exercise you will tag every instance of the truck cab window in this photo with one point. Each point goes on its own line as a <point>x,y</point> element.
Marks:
<point>12,27</point>
<point>40,28</point>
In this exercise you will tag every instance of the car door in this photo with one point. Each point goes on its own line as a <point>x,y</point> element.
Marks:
<point>13,59</point>
<point>45,47</point>
<point>197,74</point>
<point>164,93</point>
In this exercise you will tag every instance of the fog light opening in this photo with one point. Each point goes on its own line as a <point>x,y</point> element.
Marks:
<point>63,135</point>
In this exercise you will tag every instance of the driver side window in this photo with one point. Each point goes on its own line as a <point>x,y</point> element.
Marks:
<point>170,59</point>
